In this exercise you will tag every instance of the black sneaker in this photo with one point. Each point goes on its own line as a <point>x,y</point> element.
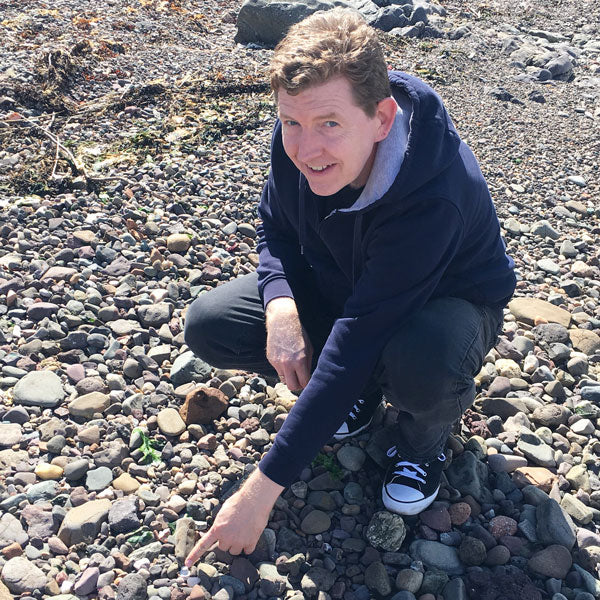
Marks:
<point>360,417</point>
<point>410,487</point>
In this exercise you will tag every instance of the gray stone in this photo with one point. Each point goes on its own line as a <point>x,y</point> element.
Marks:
<point>317,579</point>
<point>577,509</point>
<point>45,490</point>
<point>39,388</point>
<point>470,477</point>
<point>554,525</point>
<point>77,469</point>
<point>351,457</point>
<point>536,450</point>
<point>11,531</point>
<point>187,368</point>
<point>98,479</point>
<point>150,551</point>
<point>10,434</point>
<point>455,589</point>
<point>184,537</point>
<point>437,556</point>
<point>154,315</point>
<point>315,522</point>
<point>386,530</point>
<point>86,583</point>
<point>82,523</point>
<point>132,587</point>
<point>544,229</point>
<point>22,576</point>
<point>527,309</point>
<point>548,265</point>
<point>377,578</point>
<point>123,517</point>
<point>113,455</point>
<point>272,583</point>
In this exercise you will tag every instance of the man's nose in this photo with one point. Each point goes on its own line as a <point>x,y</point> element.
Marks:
<point>309,146</point>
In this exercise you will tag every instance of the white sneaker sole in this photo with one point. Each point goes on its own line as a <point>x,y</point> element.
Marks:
<point>407,508</point>
<point>338,437</point>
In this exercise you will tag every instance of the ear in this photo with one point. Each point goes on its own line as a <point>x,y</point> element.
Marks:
<point>385,113</point>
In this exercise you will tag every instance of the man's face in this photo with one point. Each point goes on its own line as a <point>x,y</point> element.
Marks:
<point>328,137</point>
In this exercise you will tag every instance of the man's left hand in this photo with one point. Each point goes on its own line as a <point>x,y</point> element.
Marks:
<point>241,520</point>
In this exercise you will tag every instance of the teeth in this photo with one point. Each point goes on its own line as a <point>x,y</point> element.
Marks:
<point>319,168</point>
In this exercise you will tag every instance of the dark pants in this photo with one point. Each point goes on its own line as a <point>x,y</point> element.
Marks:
<point>426,370</point>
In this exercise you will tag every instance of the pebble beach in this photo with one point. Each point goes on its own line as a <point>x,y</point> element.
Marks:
<point>134,144</point>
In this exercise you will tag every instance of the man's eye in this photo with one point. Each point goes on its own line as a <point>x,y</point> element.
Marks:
<point>290,123</point>
<point>331,124</point>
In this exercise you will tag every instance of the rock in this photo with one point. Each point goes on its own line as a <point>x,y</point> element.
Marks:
<point>436,556</point>
<point>577,509</point>
<point>46,471</point>
<point>187,368</point>
<point>409,580</point>
<point>536,450</point>
<point>132,587</point>
<point>10,434</point>
<point>530,309</point>
<point>437,519</point>
<point>315,580</point>
<point>98,479</point>
<point>88,405</point>
<point>169,422</point>
<point>469,476</point>
<point>59,273</point>
<point>122,516</point>
<point>126,483</point>
<point>243,570</point>
<point>203,405</point>
<point>550,415</point>
<point>502,525</point>
<point>459,513</point>
<point>82,523</point>
<point>179,243</point>
<point>39,388</point>
<point>501,463</point>
<point>22,576</point>
<point>386,530</point>
<point>271,582</point>
<point>553,561</point>
<point>11,531</point>
<point>154,315</point>
<point>472,551</point>
<point>315,522</point>
<point>554,525</point>
<point>77,469</point>
<point>351,457</point>
<point>377,578</point>
<point>584,340</point>
<point>544,229</point>
<point>184,537</point>
<point>86,583</point>
<point>537,476</point>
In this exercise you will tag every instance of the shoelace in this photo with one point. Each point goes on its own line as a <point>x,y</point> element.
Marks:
<point>356,409</point>
<point>405,465</point>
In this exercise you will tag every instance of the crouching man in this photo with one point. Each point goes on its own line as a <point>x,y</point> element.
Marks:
<point>382,271</point>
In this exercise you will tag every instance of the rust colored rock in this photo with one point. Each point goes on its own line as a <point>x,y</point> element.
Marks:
<point>538,476</point>
<point>12,550</point>
<point>203,405</point>
<point>501,526</point>
<point>459,513</point>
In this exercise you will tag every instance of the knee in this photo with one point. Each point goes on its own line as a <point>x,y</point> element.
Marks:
<point>201,328</point>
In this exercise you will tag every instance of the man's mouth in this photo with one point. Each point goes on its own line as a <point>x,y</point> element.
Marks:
<point>319,168</point>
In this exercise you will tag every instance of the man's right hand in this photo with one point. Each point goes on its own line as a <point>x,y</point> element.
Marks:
<point>288,348</point>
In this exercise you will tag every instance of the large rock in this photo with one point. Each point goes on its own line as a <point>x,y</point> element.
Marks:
<point>82,523</point>
<point>585,340</point>
<point>469,476</point>
<point>528,310</point>
<point>122,516</point>
<point>554,525</point>
<point>169,422</point>
<point>22,576</point>
<point>203,405</point>
<point>10,434</point>
<point>187,368</point>
<point>437,556</point>
<point>88,405</point>
<point>132,587</point>
<point>39,388</point>
<point>387,531</point>
<point>11,531</point>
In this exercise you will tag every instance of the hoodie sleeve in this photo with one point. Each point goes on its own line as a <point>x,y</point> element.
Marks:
<point>402,268</point>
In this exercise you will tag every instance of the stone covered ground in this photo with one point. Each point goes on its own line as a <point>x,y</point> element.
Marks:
<point>133,146</point>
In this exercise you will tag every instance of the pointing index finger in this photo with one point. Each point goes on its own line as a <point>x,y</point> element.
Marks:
<point>204,544</point>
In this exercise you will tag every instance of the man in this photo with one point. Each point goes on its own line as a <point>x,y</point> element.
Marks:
<point>381,269</point>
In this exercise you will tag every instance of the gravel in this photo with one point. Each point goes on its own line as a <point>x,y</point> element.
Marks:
<point>105,483</point>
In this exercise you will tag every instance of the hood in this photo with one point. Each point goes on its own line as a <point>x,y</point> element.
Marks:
<point>421,144</point>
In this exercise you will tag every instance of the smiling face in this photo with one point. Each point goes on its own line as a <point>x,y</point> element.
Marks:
<point>330,139</point>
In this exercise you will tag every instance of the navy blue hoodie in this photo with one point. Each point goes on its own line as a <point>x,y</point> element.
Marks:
<point>423,227</point>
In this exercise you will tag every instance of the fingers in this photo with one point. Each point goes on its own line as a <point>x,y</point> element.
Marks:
<point>203,545</point>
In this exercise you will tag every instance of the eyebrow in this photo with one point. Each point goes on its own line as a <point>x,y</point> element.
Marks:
<point>331,115</point>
